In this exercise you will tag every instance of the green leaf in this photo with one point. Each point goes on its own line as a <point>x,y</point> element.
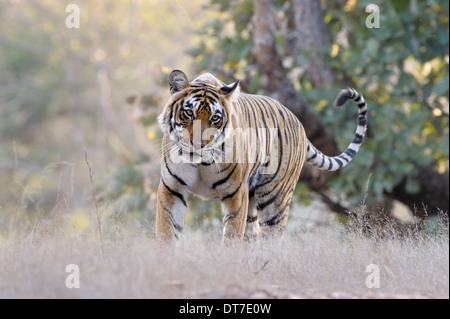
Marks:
<point>412,186</point>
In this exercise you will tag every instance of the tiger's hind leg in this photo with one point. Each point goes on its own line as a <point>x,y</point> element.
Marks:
<point>274,193</point>
<point>273,210</point>
<point>252,226</point>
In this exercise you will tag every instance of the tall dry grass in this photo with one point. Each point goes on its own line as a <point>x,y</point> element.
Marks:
<point>322,262</point>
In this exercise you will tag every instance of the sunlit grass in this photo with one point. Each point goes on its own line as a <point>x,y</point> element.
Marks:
<point>322,262</point>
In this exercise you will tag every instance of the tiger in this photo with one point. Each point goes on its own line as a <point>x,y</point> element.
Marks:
<point>210,129</point>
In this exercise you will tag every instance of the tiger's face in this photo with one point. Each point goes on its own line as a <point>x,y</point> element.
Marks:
<point>197,116</point>
<point>199,119</point>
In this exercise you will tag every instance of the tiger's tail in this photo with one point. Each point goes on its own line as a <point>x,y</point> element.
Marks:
<point>326,163</point>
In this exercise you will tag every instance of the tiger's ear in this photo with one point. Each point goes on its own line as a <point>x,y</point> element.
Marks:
<point>178,81</point>
<point>228,90</point>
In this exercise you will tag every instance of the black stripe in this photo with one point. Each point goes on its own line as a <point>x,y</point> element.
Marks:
<point>204,90</point>
<point>280,159</point>
<point>261,206</point>
<point>224,127</point>
<point>282,115</point>
<point>223,155</point>
<point>256,130</point>
<point>350,153</point>
<point>323,161</point>
<point>287,140</point>
<point>249,105</point>
<point>179,228</point>
<point>233,193</point>
<point>263,110</point>
<point>170,172</point>
<point>339,162</point>
<point>352,92</point>
<point>252,219</point>
<point>246,107</point>
<point>230,216</point>
<point>358,139</point>
<point>206,164</point>
<point>220,182</point>
<point>215,96</point>
<point>197,97</point>
<point>175,176</point>
<point>174,193</point>
<point>233,214</point>
<point>226,168</point>
<point>270,110</point>
<point>170,117</point>
<point>176,110</point>
<point>277,218</point>
<point>362,104</point>
<point>346,160</point>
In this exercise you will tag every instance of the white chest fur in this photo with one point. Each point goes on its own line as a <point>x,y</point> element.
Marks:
<point>199,178</point>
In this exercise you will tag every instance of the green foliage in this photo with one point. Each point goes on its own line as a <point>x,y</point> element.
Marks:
<point>225,44</point>
<point>124,186</point>
<point>402,68</point>
<point>63,92</point>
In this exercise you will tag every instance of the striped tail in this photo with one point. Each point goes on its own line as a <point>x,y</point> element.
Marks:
<point>326,163</point>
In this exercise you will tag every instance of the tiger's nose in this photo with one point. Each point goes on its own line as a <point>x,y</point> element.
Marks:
<point>199,145</point>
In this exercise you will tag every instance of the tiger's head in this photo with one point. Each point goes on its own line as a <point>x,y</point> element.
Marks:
<point>198,113</point>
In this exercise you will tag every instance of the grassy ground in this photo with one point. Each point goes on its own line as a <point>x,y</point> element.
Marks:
<point>325,262</point>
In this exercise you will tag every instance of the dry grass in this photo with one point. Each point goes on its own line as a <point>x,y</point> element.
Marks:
<point>326,262</point>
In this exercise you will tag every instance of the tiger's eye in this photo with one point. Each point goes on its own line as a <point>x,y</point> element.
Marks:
<point>189,113</point>
<point>215,118</point>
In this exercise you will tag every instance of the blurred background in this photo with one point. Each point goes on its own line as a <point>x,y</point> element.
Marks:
<point>78,105</point>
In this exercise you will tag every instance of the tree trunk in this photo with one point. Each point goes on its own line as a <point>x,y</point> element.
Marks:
<point>310,37</point>
<point>275,82</point>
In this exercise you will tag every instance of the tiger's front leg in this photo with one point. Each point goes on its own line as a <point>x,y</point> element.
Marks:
<point>170,212</point>
<point>234,210</point>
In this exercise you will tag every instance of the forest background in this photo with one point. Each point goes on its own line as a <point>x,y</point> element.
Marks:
<point>68,95</point>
